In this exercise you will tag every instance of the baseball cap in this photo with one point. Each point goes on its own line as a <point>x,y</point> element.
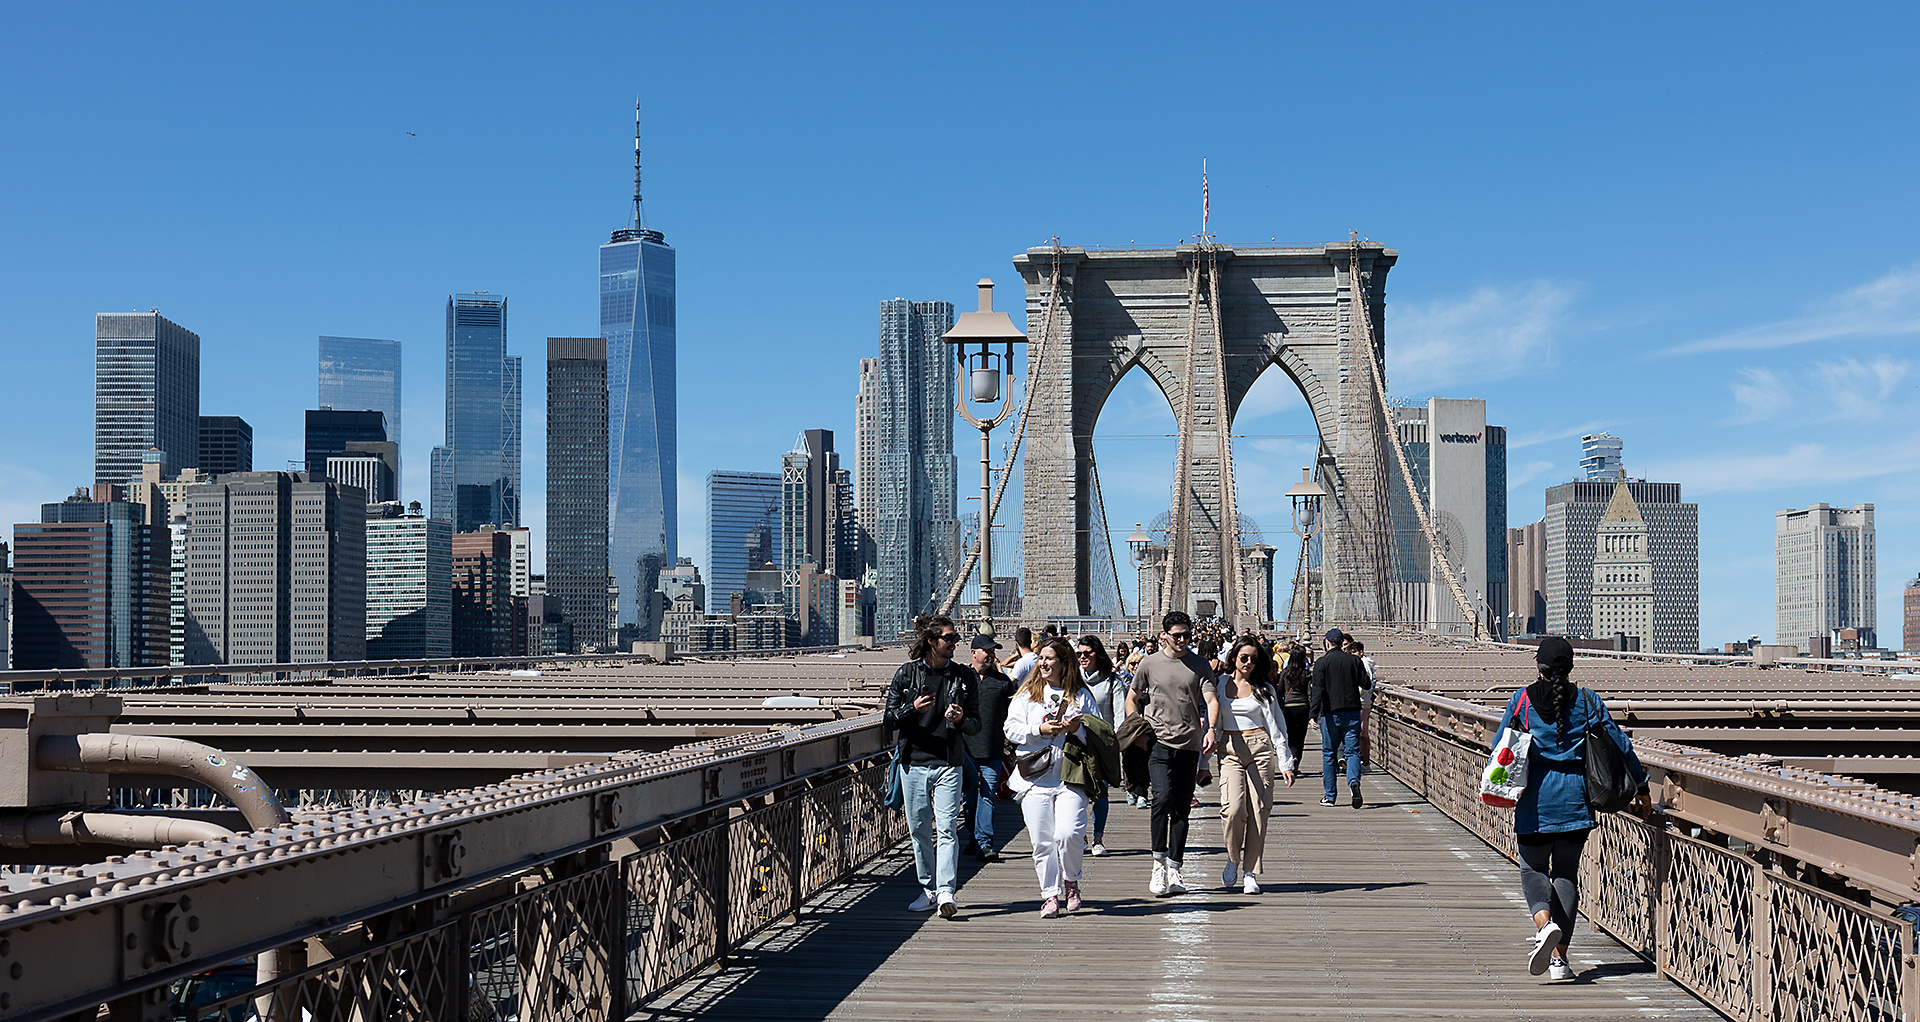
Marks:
<point>1335,635</point>
<point>1555,652</point>
<point>984,642</point>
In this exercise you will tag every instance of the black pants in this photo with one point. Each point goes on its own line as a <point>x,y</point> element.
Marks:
<point>1296,717</point>
<point>1549,876</point>
<point>1172,771</point>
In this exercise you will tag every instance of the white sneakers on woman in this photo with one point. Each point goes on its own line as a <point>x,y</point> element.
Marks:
<point>1248,885</point>
<point>1546,944</point>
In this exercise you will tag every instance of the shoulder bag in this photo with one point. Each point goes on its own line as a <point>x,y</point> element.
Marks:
<point>1610,785</point>
<point>1504,779</point>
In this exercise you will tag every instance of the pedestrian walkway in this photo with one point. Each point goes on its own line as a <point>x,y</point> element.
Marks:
<point>1387,912</point>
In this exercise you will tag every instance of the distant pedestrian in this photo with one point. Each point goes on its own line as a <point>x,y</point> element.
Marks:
<point>1023,655</point>
<point>1252,747</point>
<point>987,747</point>
<point>1110,702</point>
<point>1295,679</point>
<point>1172,688</point>
<point>1043,713</point>
<point>932,703</point>
<point>1338,680</point>
<point>1359,649</point>
<point>1552,819</point>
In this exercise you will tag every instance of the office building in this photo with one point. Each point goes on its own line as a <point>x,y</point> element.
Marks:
<point>6,608</point>
<point>914,486</point>
<point>548,631</point>
<point>276,570</point>
<point>637,286</point>
<point>226,444</point>
<point>361,374</point>
<point>855,614</point>
<point>409,583</point>
<point>1623,574</point>
<point>519,561</point>
<point>811,531</point>
<point>329,432</point>
<point>179,529</point>
<point>1824,578</point>
<point>93,584</point>
<point>368,473</point>
<point>1572,526</point>
<point>1910,630</point>
<point>1527,580</point>
<point>1600,458</point>
<point>476,474</point>
<point>743,531</point>
<point>686,597</point>
<point>146,394</point>
<point>866,464</point>
<point>577,570</point>
<point>484,613</point>
<point>1460,466</point>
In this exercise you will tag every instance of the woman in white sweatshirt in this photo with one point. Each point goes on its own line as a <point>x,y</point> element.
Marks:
<point>1043,713</point>
<point>1251,736</point>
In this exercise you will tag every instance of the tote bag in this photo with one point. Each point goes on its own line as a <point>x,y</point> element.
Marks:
<point>1504,777</point>
<point>1610,784</point>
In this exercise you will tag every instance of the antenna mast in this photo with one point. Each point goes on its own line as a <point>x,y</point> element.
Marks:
<point>638,220</point>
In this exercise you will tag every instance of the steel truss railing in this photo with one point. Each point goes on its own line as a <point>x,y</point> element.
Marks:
<point>567,894</point>
<point>1717,913</point>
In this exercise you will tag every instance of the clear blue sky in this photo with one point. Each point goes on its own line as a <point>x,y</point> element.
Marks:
<point>1692,225</point>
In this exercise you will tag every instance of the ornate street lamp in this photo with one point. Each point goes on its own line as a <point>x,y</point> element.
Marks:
<point>983,341</point>
<point>1305,497</point>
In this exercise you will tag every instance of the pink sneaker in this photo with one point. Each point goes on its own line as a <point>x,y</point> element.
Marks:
<point>1050,908</point>
<point>1073,896</point>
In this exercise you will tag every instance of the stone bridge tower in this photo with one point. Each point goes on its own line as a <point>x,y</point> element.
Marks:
<point>1204,322</point>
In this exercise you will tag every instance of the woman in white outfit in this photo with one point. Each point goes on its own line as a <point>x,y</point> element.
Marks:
<point>1253,745</point>
<point>1041,716</point>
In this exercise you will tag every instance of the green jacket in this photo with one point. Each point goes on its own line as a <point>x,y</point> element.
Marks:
<point>1094,761</point>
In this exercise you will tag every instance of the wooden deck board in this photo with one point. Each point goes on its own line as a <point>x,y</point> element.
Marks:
<point>1389,912</point>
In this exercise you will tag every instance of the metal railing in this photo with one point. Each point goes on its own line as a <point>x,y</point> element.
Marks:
<point>1705,891</point>
<point>564,894</point>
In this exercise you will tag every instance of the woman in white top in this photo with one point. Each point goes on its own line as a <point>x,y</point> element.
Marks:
<point>1042,714</point>
<point>1251,736</point>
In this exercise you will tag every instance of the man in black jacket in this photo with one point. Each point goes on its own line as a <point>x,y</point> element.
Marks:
<point>987,747</point>
<point>932,704</point>
<point>1338,679</point>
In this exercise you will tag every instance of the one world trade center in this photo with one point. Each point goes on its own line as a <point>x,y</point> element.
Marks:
<point>637,319</point>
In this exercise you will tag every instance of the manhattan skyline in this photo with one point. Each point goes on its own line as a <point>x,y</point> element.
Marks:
<point>1614,245</point>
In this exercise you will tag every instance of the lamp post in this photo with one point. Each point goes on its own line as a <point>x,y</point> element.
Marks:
<point>1137,545</point>
<point>983,342</point>
<point>1305,497</point>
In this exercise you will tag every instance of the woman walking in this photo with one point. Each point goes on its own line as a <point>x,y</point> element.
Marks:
<point>1245,713</point>
<point>1552,819</point>
<point>1110,702</point>
<point>1296,674</point>
<point>1042,714</point>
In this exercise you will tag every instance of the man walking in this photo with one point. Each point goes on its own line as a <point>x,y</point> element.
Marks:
<point>987,746</point>
<point>1172,687</point>
<point>1338,680</point>
<point>1023,655</point>
<point>932,702</point>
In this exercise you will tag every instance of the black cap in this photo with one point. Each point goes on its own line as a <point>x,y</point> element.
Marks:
<point>984,642</point>
<point>1555,653</point>
<point>1335,635</point>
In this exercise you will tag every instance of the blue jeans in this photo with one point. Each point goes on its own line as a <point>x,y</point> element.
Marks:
<point>1099,818</point>
<point>933,814</point>
<point>989,781</point>
<point>1339,737</point>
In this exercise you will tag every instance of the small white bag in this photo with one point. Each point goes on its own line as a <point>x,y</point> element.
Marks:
<point>1504,778</point>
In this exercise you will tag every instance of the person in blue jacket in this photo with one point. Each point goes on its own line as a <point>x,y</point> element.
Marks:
<point>1552,819</point>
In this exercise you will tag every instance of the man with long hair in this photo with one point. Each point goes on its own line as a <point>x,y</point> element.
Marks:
<point>932,704</point>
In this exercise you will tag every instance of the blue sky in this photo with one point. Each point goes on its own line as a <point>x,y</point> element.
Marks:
<point>1692,225</point>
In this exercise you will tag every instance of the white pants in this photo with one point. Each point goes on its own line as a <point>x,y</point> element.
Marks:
<point>1057,823</point>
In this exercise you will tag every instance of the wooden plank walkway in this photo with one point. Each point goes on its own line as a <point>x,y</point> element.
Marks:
<point>1389,912</point>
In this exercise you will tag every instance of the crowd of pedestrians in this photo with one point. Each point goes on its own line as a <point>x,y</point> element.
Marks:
<point>1064,722</point>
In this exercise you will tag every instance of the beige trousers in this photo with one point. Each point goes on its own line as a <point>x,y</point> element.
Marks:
<point>1247,764</point>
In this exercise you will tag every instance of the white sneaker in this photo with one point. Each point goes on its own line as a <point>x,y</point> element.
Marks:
<point>1097,849</point>
<point>1174,886</point>
<point>1230,875</point>
<point>1248,885</point>
<point>948,906</point>
<point>1559,968</point>
<point>1157,885</point>
<point>1546,941</point>
<point>924,903</point>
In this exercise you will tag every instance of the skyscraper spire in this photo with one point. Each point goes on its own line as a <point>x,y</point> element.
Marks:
<point>639,220</point>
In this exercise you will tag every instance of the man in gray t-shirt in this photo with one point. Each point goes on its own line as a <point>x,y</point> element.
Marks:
<point>1172,687</point>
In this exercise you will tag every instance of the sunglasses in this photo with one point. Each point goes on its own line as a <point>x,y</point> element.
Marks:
<point>950,637</point>
<point>1085,652</point>
<point>1179,636</point>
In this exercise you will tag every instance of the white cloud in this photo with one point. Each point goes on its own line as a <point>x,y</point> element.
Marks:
<point>1561,433</point>
<point>1840,390</point>
<point>1518,477</point>
<point>1886,307</point>
<point>1796,467</point>
<point>1761,395</point>
<point>1492,334</point>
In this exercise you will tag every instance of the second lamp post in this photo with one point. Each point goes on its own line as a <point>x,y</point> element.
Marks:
<point>984,342</point>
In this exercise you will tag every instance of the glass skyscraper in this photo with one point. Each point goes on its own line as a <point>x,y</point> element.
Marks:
<point>577,484</point>
<point>743,531</point>
<point>359,374</point>
<point>476,475</point>
<point>146,395</point>
<point>915,500</point>
<point>637,316</point>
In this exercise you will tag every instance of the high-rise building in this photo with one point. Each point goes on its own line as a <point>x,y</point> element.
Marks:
<point>329,432</point>
<point>1623,573</point>
<point>409,583</point>
<point>93,585</point>
<point>866,465</point>
<point>146,394</point>
<point>1824,577</point>
<point>6,608</point>
<point>810,532</point>
<point>226,444</point>
<point>1600,458</point>
<point>362,374</point>
<point>638,281</point>
<point>1910,631</point>
<point>276,570</point>
<point>1572,526</point>
<point>577,485</point>
<point>914,487</point>
<point>520,561</point>
<point>483,606</point>
<point>368,473</point>
<point>476,474</point>
<point>743,531</point>
<point>1460,465</point>
<point>179,528</point>
<point>1527,580</point>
